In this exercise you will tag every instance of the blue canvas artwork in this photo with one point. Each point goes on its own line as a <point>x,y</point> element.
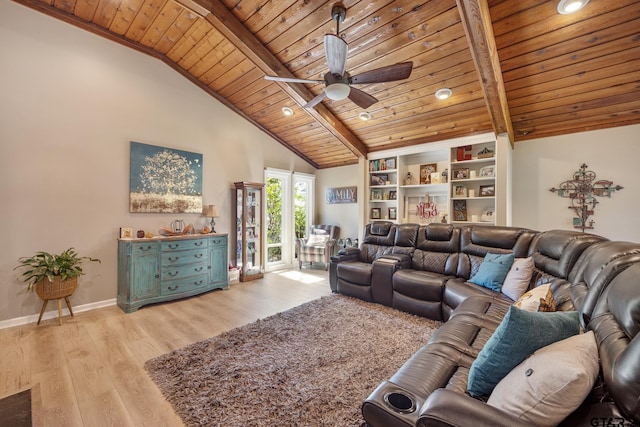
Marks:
<point>164,180</point>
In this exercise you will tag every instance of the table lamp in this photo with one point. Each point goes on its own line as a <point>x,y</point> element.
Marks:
<point>211,211</point>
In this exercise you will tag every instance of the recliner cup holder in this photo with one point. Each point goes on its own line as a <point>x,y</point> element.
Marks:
<point>400,402</point>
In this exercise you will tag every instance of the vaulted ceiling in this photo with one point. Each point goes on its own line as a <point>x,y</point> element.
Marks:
<point>514,66</point>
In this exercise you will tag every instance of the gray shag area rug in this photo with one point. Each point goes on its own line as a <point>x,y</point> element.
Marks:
<point>312,365</point>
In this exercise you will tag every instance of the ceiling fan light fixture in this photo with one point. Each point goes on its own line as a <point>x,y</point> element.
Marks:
<point>365,116</point>
<point>444,93</point>
<point>337,91</point>
<point>287,111</point>
<point>566,7</point>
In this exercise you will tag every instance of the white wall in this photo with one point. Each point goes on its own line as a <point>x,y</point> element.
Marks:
<point>540,164</point>
<point>70,104</point>
<point>347,215</point>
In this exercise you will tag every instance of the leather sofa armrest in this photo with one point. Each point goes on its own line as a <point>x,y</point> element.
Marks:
<point>402,260</point>
<point>350,254</point>
<point>448,408</point>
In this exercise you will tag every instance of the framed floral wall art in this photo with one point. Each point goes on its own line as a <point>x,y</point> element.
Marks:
<point>164,180</point>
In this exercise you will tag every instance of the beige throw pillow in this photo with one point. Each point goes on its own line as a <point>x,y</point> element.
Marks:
<point>518,278</point>
<point>317,240</point>
<point>549,385</point>
<point>537,299</point>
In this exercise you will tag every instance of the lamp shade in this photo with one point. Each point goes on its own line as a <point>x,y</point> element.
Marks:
<point>337,91</point>
<point>210,211</point>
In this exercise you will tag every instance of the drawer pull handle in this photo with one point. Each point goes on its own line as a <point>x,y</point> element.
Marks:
<point>174,259</point>
<point>199,282</point>
<point>172,288</point>
<point>147,248</point>
<point>174,246</point>
<point>198,268</point>
<point>157,276</point>
<point>198,243</point>
<point>173,274</point>
<point>198,255</point>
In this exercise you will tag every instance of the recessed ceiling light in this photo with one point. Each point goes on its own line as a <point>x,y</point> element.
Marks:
<point>444,93</point>
<point>566,7</point>
<point>364,116</point>
<point>287,111</point>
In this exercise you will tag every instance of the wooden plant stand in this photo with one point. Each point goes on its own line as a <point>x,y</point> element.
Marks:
<point>58,290</point>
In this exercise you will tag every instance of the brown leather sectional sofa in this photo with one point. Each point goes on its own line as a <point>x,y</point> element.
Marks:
<point>425,270</point>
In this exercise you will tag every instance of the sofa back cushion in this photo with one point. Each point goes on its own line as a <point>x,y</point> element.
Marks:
<point>377,240</point>
<point>406,239</point>
<point>616,324</point>
<point>477,241</point>
<point>556,251</point>
<point>598,265</point>
<point>437,249</point>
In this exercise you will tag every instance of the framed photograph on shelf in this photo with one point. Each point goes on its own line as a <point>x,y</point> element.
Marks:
<point>378,180</point>
<point>459,210</point>
<point>393,213</point>
<point>459,191</point>
<point>126,232</point>
<point>487,171</point>
<point>426,171</point>
<point>487,190</point>
<point>375,213</point>
<point>390,163</point>
<point>393,195</point>
<point>487,215</point>
<point>460,174</point>
<point>376,194</point>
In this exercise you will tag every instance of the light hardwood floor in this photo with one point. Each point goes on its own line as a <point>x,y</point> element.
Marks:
<point>90,371</point>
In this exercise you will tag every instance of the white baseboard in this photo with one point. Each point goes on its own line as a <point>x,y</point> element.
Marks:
<point>18,321</point>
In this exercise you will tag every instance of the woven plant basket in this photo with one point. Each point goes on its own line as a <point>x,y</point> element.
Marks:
<point>57,289</point>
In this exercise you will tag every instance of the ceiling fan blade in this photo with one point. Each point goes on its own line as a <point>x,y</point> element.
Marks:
<point>361,98</point>
<point>292,80</point>
<point>315,101</point>
<point>389,73</point>
<point>335,50</point>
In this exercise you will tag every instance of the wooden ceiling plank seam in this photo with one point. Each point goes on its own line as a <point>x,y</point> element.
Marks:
<point>188,40</point>
<point>182,24</point>
<point>124,16</point>
<point>579,101</point>
<point>605,124</point>
<point>200,50</point>
<point>435,136</point>
<point>477,24</point>
<point>563,85</point>
<point>579,33</point>
<point>226,69</point>
<point>233,87</point>
<point>144,18</point>
<point>163,22</point>
<point>212,58</point>
<point>68,6</point>
<point>85,9</point>
<point>227,24</point>
<point>266,15</point>
<point>106,12</point>
<point>571,25</point>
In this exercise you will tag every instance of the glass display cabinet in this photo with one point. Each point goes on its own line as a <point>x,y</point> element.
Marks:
<point>249,257</point>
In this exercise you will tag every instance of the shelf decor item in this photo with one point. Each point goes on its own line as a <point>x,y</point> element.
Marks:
<point>393,213</point>
<point>54,276</point>
<point>460,174</point>
<point>375,213</point>
<point>426,171</point>
<point>582,189</point>
<point>459,210</point>
<point>487,190</point>
<point>211,211</point>
<point>487,171</point>
<point>459,191</point>
<point>485,153</point>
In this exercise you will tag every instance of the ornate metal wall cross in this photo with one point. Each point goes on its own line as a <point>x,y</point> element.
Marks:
<point>582,190</point>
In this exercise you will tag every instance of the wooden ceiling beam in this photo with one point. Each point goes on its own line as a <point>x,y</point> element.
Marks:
<point>225,22</point>
<point>479,30</point>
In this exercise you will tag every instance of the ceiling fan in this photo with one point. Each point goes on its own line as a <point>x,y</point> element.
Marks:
<point>338,81</point>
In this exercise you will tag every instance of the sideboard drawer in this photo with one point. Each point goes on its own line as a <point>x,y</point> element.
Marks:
<point>181,245</point>
<point>141,248</point>
<point>218,241</point>
<point>172,258</point>
<point>182,271</point>
<point>172,287</point>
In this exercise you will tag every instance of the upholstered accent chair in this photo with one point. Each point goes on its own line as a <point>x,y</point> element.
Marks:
<point>319,246</point>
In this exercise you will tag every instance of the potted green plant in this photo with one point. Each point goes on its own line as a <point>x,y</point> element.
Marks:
<point>54,276</point>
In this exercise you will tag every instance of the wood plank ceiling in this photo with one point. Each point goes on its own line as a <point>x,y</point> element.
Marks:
<point>553,74</point>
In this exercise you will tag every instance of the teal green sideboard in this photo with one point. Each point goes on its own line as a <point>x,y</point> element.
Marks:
<point>168,268</point>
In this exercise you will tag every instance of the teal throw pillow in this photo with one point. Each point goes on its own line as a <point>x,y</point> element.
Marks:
<point>518,335</point>
<point>493,271</point>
